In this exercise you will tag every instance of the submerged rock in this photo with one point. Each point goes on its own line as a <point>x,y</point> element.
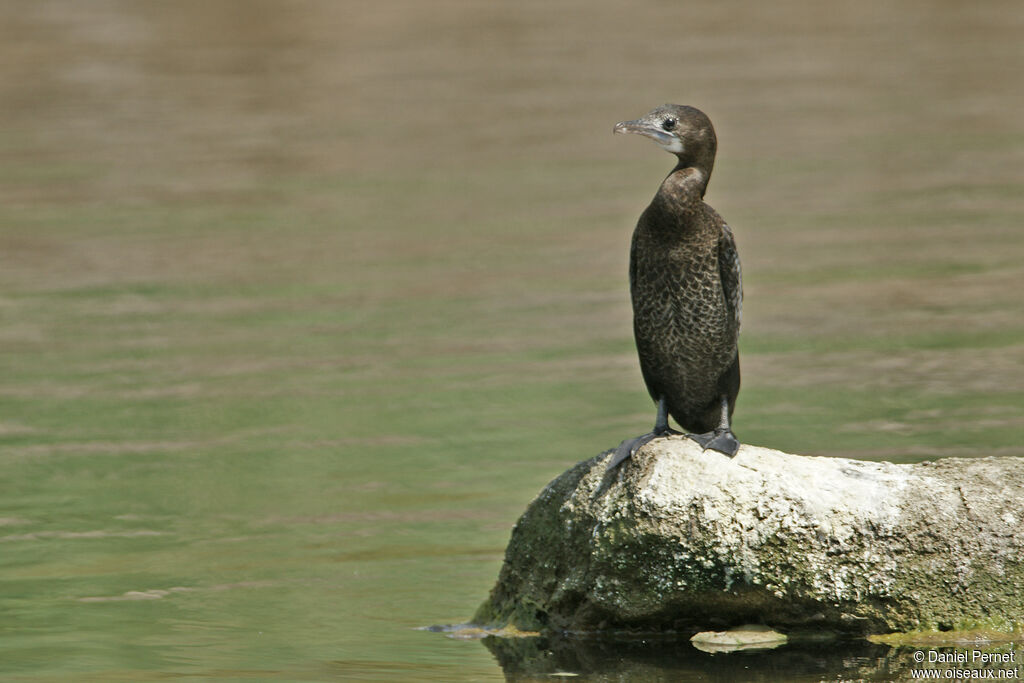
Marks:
<point>747,637</point>
<point>677,539</point>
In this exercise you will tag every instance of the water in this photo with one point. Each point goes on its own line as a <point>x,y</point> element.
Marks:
<point>302,302</point>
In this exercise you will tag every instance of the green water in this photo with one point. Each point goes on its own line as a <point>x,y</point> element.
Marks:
<point>302,302</point>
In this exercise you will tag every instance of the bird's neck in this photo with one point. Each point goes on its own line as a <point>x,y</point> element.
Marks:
<point>689,178</point>
<point>682,191</point>
<point>678,213</point>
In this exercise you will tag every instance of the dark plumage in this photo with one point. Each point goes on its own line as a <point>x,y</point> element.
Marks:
<point>686,286</point>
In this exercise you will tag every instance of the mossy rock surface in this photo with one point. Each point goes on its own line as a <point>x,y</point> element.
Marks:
<point>677,539</point>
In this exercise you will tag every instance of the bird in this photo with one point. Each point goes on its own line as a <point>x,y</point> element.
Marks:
<point>686,287</point>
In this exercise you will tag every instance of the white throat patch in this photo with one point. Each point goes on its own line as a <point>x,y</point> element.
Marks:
<point>676,146</point>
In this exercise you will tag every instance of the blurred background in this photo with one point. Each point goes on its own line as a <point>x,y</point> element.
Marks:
<point>302,301</point>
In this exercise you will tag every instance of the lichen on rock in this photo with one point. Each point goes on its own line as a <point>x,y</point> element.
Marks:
<point>677,539</point>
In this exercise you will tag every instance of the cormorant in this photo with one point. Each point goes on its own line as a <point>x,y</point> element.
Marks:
<point>685,282</point>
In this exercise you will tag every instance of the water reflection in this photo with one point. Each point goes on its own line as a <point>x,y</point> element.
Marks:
<point>646,660</point>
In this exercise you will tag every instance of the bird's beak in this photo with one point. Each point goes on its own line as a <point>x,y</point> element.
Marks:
<point>648,130</point>
<point>634,126</point>
<point>669,142</point>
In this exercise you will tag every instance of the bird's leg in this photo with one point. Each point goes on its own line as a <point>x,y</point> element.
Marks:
<point>661,427</point>
<point>630,446</point>
<point>721,439</point>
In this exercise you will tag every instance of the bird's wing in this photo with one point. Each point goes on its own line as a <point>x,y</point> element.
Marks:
<point>632,262</point>
<point>731,273</point>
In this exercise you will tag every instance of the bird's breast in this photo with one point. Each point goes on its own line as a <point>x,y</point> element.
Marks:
<point>678,299</point>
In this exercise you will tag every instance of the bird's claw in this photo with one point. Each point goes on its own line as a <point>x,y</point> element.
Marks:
<point>723,441</point>
<point>629,447</point>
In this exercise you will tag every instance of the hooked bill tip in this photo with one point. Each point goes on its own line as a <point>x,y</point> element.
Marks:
<point>624,127</point>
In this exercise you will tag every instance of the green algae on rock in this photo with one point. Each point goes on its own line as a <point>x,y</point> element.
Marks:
<point>684,540</point>
<point>965,633</point>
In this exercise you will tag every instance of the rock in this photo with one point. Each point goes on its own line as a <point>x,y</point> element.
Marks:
<point>749,637</point>
<point>746,637</point>
<point>677,539</point>
<point>476,632</point>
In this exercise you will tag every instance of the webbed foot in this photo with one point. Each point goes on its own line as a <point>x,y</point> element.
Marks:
<point>629,447</point>
<point>721,440</point>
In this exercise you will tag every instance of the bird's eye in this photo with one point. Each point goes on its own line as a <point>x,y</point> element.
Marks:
<point>668,124</point>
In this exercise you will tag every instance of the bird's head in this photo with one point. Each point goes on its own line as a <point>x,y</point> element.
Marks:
<point>681,130</point>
